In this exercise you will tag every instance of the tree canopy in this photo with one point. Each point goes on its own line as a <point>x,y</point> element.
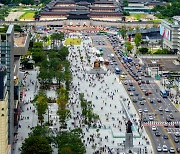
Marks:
<point>169,10</point>
<point>138,39</point>
<point>36,145</point>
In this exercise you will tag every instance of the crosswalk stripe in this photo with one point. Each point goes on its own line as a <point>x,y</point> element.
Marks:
<point>156,123</point>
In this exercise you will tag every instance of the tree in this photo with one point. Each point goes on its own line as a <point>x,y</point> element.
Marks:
<point>138,39</point>
<point>129,46</point>
<point>36,145</point>
<point>41,106</point>
<point>70,142</point>
<point>125,3</point>
<point>143,50</point>
<point>38,56</point>
<point>63,53</point>
<point>123,31</point>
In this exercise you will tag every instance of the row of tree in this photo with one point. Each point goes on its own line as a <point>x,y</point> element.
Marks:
<point>26,2</point>
<point>87,111</point>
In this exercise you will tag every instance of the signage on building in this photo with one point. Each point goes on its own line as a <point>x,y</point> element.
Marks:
<point>166,33</point>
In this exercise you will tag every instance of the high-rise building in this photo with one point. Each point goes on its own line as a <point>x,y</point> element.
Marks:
<point>171,34</point>
<point>7,60</point>
<point>3,110</point>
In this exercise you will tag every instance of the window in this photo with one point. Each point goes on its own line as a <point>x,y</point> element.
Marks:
<point>2,115</point>
<point>2,109</point>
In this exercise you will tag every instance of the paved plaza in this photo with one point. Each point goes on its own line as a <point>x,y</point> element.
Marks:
<point>109,100</point>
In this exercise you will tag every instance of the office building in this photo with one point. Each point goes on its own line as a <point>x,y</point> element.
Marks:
<point>170,32</point>
<point>7,60</point>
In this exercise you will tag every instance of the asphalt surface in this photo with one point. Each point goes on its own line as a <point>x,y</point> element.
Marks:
<point>133,87</point>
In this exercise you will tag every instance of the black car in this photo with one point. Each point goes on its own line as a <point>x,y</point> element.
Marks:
<point>178,150</point>
<point>165,137</point>
<point>147,82</point>
<point>176,125</point>
<point>157,133</point>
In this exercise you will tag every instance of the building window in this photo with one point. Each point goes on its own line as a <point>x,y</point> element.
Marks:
<point>2,115</point>
<point>2,109</point>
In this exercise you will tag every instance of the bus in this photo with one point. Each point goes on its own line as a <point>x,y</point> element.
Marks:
<point>117,70</point>
<point>163,93</point>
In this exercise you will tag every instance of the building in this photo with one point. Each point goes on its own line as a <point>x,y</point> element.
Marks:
<point>137,9</point>
<point>150,3</point>
<point>171,34</point>
<point>7,59</point>
<point>3,111</point>
<point>99,10</point>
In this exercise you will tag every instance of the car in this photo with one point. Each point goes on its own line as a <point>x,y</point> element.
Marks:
<point>160,109</point>
<point>159,100</point>
<point>136,94</point>
<point>143,98</point>
<point>166,125</point>
<point>151,101</point>
<point>147,82</point>
<point>157,133</point>
<point>165,137</point>
<point>145,120</point>
<point>142,81</point>
<point>176,125</point>
<point>125,82</point>
<point>178,150</point>
<point>168,119</point>
<point>140,110</point>
<point>146,93</point>
<point>154,128</point>
<point>131,84</point>
<point>159,149</point>
<point>171,116</point>
<point>128,89</point>
<point>133,88</point>
<point>167,110</point>
<point>164,148</point>
<point>151,118</point>
<point>145,110</point>
<point>141,102</point>
<point>131,94</point>
<point>149,92</point>
<point>177,134</point>
<point>176,140</point>
<point>171,150</point>
<point>134,100</point>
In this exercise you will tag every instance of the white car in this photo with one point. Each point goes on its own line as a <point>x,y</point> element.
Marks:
<point>154,128</point>
<point>164,148</point>
<point>140,110</point>
<point>151,118</point>
<point>159,149</point>
<point>131,94</point>
<point>167,110</point>
<point>171,150</point>
<point>145,110</point>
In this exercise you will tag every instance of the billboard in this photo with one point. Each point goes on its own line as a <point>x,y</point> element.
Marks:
<point>166,33</point>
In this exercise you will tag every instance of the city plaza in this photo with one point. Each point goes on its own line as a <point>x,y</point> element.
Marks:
<point>109,100</point>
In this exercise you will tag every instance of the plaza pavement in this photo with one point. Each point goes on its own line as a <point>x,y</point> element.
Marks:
<point>108,98</point>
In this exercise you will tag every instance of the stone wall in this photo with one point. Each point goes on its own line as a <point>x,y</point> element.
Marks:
<point>81,23</point>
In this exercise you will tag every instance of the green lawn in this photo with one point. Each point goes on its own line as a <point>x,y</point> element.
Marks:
<point>156,21</point>
<point>73,41</point>
<point>138,16</point>
<point>28,16</point>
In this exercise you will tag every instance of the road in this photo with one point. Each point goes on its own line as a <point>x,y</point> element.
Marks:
<point>158,116</point>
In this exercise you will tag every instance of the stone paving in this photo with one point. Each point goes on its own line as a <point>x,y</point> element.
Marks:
<point>109,98</point>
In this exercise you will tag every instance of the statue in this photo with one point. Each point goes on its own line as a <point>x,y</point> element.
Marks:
<point>96,64</point>
<point>128,127</point>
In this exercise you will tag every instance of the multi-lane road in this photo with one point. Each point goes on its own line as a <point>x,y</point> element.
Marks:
<point>152,108</point>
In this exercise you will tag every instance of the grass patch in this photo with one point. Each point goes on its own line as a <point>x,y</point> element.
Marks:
<point>138,16</point>
<point>73,41</point>
<point>27,16</point>
<point>156,21</point>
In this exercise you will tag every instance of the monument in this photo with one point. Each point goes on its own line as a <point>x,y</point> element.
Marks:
<point>129,138</point>
<point>97,69</point>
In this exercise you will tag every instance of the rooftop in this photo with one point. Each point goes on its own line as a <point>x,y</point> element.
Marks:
<point>19,41</point>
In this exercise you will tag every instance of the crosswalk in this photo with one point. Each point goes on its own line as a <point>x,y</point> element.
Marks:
<point>173,130</point>
<point>133,81</point>
<point>157,123</point>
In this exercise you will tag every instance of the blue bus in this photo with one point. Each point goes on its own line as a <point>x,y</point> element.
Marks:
<point>117,70</point>
<point>163,93</point>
